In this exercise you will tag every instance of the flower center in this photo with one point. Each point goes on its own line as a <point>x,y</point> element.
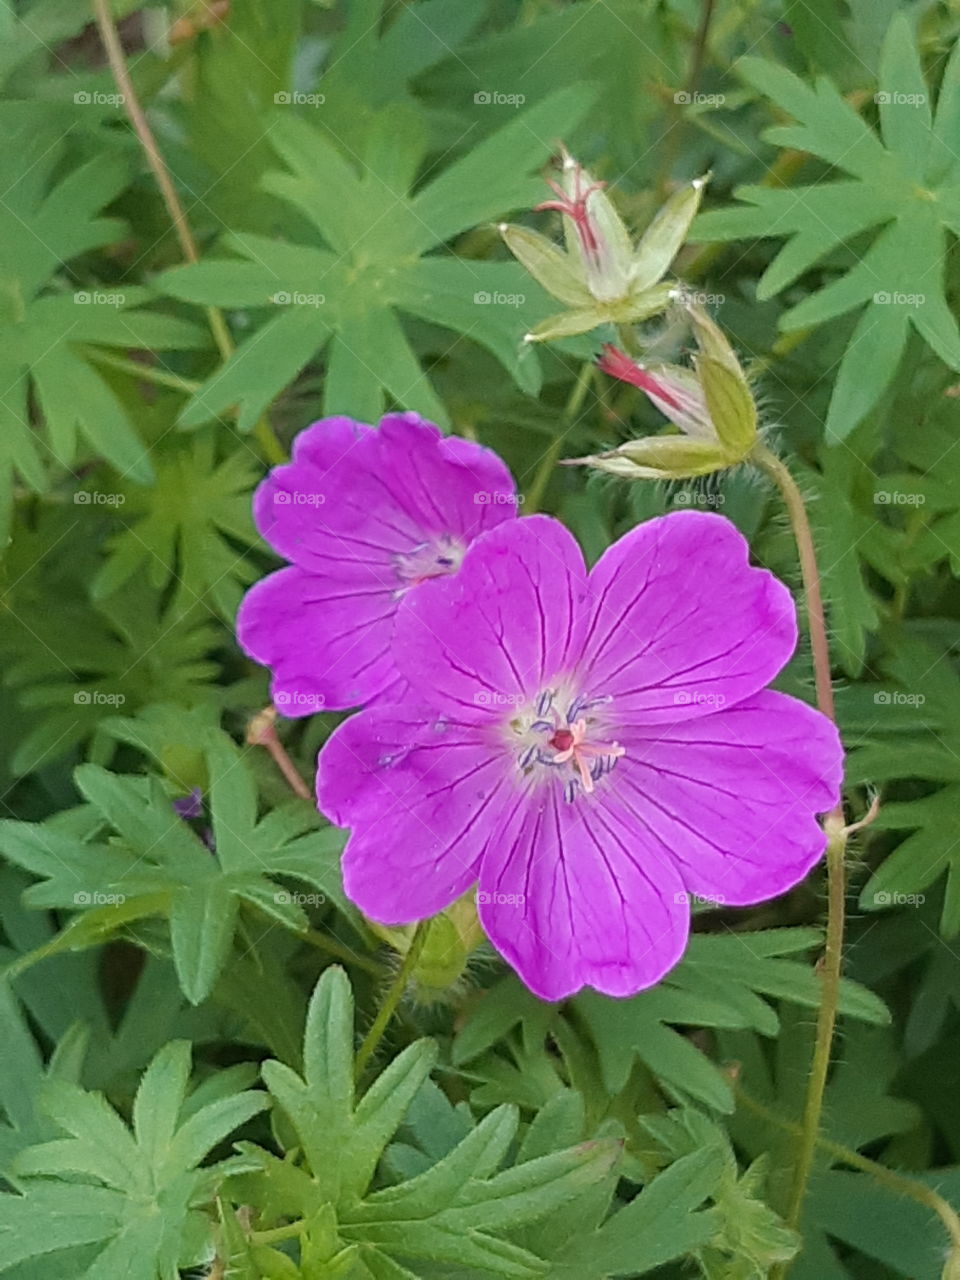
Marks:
<point>563,738</point>
<point>433,559</point>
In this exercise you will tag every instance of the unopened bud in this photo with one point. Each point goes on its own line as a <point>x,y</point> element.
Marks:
<point>452,936</point>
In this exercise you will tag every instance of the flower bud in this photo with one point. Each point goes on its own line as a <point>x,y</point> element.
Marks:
<point>452,936</point>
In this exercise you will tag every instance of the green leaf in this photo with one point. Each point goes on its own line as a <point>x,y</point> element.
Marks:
<point>134,1192</point>
<point>377,269</point>
<point>905,185</point>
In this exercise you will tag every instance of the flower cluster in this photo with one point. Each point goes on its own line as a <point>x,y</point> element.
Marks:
<point>591,750</point>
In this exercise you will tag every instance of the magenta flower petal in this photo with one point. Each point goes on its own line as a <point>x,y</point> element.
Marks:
<point>327,643</point>
<point>543,750</point>
<point>682,625</point>
<point>732,797</point>
<point>575,897</point>
<point>419,791</point>
<point>485,640</point>
<point>366,516</point>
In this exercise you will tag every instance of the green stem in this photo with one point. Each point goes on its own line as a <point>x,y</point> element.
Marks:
<point>146,372</point>
<point>534,495</point>
<point>836,843</point>
<point>340,951</point>
<point>897,1182</point>
<point>272,449</point>
<point>699,55</point>
<point>392,999</point>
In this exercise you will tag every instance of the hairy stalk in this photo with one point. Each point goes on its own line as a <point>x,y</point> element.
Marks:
<point>391,999</point>
<point>534,495</point>
<point>837,834</point>
<point>261,733</point>
<point>272,449</point>
<point>897,1182</point>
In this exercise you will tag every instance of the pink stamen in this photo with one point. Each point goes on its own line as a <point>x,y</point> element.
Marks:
<point>569,741</point>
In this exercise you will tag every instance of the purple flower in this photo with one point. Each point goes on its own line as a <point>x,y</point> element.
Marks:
<point>594,751</point>
<point>364,515</point>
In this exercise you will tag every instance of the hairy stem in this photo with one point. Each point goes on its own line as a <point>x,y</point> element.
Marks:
<point>392,999</point>
<point>897,1182</point>
<point>261,733</point>
<point>809,1131</point>
<point>272,449</point>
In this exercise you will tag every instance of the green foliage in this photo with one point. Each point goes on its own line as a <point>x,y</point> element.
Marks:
<point>133,1192</point>
<point>904,184</point>
<point>342,166</point>
<point>155,865</point>
<point>373,259</point>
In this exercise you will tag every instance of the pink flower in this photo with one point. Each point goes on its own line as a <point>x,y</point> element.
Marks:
<point>365,516</point>
<point>591,750</point>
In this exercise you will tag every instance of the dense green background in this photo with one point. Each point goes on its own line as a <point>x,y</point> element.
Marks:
<point>342,167</point>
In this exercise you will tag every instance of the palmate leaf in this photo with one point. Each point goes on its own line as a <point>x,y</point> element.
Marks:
<point>186,517</point>
<point>907,725</point>
<point>457,1211</point>
<point>904,186</point>
<point>73,667</point>
<point>136,1192</point>
<point>44,224</point>
<point>157,866</point>
<point>376,257</point>
<point>719,983</point>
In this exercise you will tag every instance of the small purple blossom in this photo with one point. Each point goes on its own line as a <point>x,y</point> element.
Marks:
<point>593,751</point>
<point>190,805</point>
<point>364,515</point>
